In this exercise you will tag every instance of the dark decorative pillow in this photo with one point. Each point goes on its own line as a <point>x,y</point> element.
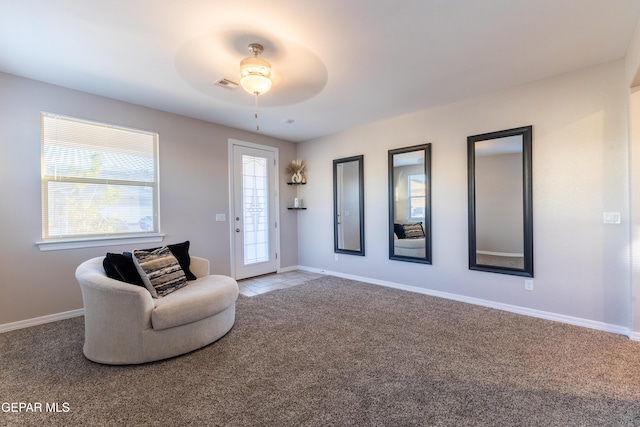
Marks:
<point>399,230</point>
<point>122,268</point>
<point>413,231</point>
<point>181,252</point>
<point>160,271</point>
<point>110,269</point>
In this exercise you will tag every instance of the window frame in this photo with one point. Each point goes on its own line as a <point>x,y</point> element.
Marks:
<point>410,197</point>
<point>98,239</point>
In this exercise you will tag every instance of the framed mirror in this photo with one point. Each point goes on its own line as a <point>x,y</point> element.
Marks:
<point>500,202</point>
<point>348,205</point>
<point>410,204</point>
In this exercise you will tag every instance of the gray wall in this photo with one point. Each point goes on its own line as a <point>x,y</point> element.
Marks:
<point>193,188</point>
<point>632,79</point>
<point>580,170</point>
<point>499,204</point>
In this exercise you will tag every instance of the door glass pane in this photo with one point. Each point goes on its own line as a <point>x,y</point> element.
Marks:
<point>255,209</point>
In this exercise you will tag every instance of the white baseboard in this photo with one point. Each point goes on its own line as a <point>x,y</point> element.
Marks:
<point>606,327</point>
<point>41,320</point>
<point>290,268</point>
<point>635,336</point>
<point>503,254</point>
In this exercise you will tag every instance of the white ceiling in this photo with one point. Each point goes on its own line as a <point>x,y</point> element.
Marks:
<point>336,63</point>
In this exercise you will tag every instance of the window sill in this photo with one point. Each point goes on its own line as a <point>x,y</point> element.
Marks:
<point>92,242</point>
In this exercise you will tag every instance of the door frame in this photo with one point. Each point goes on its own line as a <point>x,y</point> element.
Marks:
<point>230,162</point>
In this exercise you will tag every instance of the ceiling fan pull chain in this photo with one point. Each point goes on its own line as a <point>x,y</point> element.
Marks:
<point>256,112</point>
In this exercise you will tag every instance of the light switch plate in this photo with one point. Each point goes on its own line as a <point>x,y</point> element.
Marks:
<point>611,217</point>
<point>221,217</point>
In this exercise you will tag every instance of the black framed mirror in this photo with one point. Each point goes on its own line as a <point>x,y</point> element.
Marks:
<point>500,202</point>
<point>410,204</point>
<point>348,205</point>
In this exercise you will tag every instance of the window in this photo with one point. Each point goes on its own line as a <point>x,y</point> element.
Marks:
<point>255,209</point>
<point>98,181</point>
<point>417,193</point>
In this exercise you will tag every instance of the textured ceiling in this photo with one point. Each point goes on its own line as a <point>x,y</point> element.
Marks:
<point>336,63</point>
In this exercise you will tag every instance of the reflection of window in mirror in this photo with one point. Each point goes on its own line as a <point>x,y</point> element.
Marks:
<point>409,204</point>
<point>417,193</point>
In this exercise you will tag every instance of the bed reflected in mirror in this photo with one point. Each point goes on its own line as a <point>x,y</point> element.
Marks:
<point>410,204</point>
<point>500,213</point>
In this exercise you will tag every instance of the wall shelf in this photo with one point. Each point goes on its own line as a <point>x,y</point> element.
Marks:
<point>296,183</point>
<point>296,209</point>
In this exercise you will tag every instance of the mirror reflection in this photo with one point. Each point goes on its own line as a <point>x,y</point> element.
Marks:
<point>500,229</point>
<point>348,203</point>
<point>409,204</point>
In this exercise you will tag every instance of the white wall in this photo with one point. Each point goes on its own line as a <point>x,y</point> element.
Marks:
<point>632,74</point>
<point>193,188</point>
<point>632,60</point>
<point>580,169</point>
<point>634,153</point>
<point>499,203</point>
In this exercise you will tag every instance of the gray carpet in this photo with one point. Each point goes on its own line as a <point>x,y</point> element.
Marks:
<point>339,352</point>
<point>500,261</point>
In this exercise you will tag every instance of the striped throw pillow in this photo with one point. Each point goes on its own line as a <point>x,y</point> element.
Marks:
<point>413,231</point>
<point>160,271</point>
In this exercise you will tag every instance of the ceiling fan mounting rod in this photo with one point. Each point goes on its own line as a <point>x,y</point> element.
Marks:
<point>256,48</point>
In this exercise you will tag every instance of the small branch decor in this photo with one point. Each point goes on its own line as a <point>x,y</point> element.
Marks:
<point>296,168</point>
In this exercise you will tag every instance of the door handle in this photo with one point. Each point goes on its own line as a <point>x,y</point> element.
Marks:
<point>237,230</point>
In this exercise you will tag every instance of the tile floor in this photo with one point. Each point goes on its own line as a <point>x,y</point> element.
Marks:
<point>270,282</point>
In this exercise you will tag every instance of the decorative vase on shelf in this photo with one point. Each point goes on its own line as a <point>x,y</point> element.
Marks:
<point>296,168</point>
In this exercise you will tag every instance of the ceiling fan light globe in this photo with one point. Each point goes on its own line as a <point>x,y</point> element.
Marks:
<point>255,75</point>
<point>255,84</point>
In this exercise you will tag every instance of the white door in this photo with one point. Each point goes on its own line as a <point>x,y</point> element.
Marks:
<point>254,211</point>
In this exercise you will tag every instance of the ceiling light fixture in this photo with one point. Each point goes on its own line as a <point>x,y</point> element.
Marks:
<point>255,75</point>
<point>255,72</point>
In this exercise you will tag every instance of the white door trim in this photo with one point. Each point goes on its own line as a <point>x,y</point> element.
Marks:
<point>276,152</point>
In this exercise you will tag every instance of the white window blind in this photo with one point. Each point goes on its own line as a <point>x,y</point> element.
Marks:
<point>97,179</point>
<point>417,194</point>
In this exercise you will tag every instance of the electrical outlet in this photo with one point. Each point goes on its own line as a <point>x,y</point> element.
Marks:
<point>336,257</point>
<point>221,217</point>
<point>528,285</point>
